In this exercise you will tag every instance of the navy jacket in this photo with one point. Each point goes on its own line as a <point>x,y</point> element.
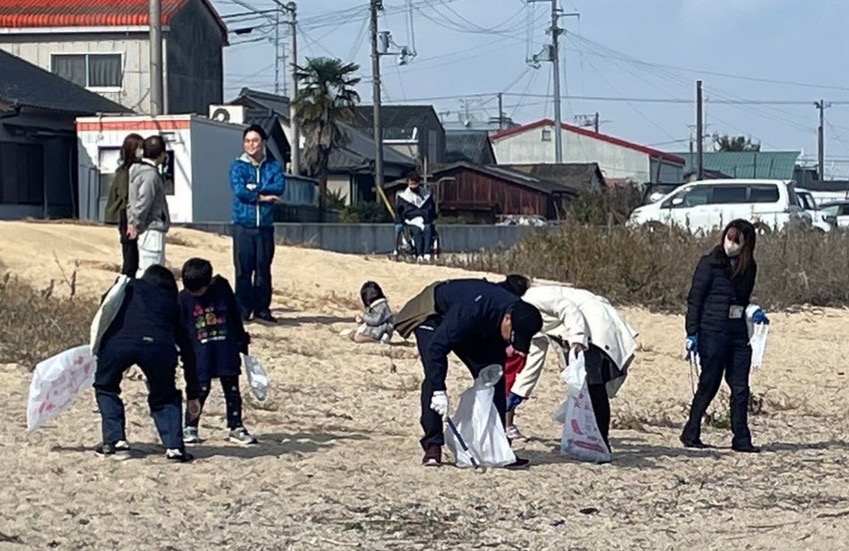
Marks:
<point>471,311</point>
<point>151,315</point>
<point>215,330</point>
<point>712,294</point>
<point>410,204</point>
<point>248,182</point>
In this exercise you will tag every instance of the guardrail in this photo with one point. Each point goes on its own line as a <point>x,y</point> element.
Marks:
<point>380,238</point>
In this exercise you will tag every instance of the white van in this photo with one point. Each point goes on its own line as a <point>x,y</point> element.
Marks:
<point>706,205</point>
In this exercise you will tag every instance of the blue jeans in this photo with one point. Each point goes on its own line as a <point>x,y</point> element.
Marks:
<point>159,365</point>
<point>253,252</point>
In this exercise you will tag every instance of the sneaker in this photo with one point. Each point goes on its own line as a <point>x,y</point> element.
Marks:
<point>242,436</point>
<point>266,317</point>
<point>432,456</point>
<point>178,456</point>
<point>746,448</point>
<point>419,259</point>
<point>427,258</point>
<point>519,464</point>
<point>385,338</point>
<point>514,434</point>
<point>695,444</point>
<point>118,450</point>
<point>190,435</point>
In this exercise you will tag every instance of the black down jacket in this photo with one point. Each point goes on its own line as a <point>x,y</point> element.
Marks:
<point>713,292</point>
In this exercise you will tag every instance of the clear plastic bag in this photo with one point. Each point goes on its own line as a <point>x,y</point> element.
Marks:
<point>758,343</point>
<point>57,382</point>
<point>257,377</point>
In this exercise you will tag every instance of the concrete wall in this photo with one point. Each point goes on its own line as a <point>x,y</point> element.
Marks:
<point>380,238</point>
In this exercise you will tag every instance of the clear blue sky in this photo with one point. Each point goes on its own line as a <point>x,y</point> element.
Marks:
<point>782,50</point>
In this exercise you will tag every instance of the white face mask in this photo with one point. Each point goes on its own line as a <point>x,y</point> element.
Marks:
<point>732,249</point>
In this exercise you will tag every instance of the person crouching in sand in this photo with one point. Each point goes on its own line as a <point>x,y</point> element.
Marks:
<point>146,332</point>
<point>376,321</point>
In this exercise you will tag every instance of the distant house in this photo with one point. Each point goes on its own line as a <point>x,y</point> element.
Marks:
<point>777,165</point>
<point>38,142</point>
<point>619,160</point>
<point>481,194</point>
<point>471,146</point>
<point>412,130</point>
<point>102,45</point>
<point>578,176</point>
<point>351,169</point>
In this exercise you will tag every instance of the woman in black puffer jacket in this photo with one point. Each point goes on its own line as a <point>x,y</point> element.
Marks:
<point>716,330</point>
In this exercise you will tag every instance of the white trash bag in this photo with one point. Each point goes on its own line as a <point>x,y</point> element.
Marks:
<point>758,343</point>
<point>581,437</point>
<point>257,377</point>
<point>57,382</point>
<point>477,421</point>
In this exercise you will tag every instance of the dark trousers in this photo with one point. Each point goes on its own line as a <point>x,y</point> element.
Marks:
<point>159,365</point>
<point>232,399</point>
<point>729,355</point>
<point>253,252</point>
<point>476,356</point>
<point>422,239</point>
<point>601,409</point>
<point>129,250</point>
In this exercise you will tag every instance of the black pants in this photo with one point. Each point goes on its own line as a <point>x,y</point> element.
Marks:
<point>601,409</point>
<point>476,356</point>
<point>232,399</point>
<point>159,365</point>
<point>129,250</point>
<point>731,355</point>
<point>253,252</point>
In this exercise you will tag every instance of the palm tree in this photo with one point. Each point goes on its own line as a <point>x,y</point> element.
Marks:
<point>325,98</point>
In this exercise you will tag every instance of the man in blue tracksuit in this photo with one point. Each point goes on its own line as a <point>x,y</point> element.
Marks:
<point>476,320</point>
<point>257,182</point>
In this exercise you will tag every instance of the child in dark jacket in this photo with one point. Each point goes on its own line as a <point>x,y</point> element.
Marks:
<point>376,321</point>
<point>146,332</point>
<point>211,316</point>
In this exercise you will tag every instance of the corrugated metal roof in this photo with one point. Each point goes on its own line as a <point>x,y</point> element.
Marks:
<point>27,85</point>
<point>90,13</point>
<point>779,165</point>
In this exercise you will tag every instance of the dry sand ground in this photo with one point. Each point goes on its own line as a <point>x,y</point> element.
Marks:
<point>338,466</point>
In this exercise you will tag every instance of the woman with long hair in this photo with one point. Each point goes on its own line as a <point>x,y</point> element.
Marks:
<point>116,205</point>
<point>717,331</point>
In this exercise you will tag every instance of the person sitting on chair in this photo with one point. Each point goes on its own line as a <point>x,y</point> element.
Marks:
<point>415,209</point>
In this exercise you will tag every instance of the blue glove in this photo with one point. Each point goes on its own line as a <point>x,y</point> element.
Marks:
<point>760,317</point>
<point>692,344</point>
<point>513,401</point>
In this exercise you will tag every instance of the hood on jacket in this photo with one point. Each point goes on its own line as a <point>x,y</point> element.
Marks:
<point>245,158</point>
<point>417,199</point>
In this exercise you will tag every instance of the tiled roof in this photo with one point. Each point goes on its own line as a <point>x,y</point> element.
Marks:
<point>778,165</point>
<point>655,153</point>
<point>574,175</point>
<point>398,121</point>
<point>27,85</point>
<point>472,146</point>
<point>90,13</point>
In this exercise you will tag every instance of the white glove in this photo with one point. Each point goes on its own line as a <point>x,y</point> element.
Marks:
<point>439,403</point>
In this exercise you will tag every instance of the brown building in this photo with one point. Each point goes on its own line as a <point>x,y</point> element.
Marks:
<point>481,194</point>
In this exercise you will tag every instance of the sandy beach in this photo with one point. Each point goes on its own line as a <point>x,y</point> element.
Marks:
<point>338,465</point>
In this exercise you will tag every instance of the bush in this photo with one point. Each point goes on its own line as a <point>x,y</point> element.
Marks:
<point>35,325</point>
<point>366,213</point>
<point>610,206</point>
<point>653,269</point>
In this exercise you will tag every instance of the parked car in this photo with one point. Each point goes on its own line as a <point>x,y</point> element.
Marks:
<point>808,204</point>
<point>836,213</point>
<point>706,205</point>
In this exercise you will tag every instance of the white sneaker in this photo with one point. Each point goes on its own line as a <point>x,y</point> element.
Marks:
<point>385,338</point>
<point>514,434</point>
<point>427,258</point>
<point>419,259</point>
<point>190,435</point>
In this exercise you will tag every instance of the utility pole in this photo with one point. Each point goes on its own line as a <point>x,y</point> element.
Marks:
<point>375,6</point>
<point>821,105</point>
<point>699,131</point>
<point>156,92</point>
<point>277,53</point>
<point>291,8</point>
<point>595,122</point>
<point>500,111</point>
<point>554,57</point>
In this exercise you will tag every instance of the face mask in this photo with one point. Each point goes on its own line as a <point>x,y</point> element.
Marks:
<point>732,249</point>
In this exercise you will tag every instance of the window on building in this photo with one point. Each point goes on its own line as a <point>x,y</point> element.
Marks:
<point>21,174</point>
<point>89,70</point>
<point>546,134</point>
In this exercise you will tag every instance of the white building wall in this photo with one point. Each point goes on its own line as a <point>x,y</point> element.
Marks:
<point>614,160</point>
<point>134,92</point>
